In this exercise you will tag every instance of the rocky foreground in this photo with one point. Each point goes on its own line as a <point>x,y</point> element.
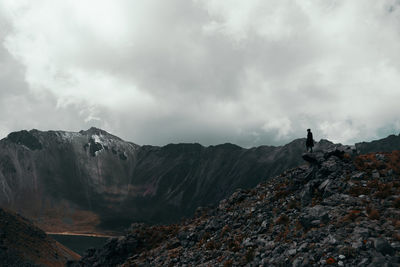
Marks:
<point>340,209</point>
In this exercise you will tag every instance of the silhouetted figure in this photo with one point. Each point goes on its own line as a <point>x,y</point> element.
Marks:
<point>310,141</point>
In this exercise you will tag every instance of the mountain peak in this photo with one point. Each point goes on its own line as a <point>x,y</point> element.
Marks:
<point>94,130</point>
<point>97,132</point>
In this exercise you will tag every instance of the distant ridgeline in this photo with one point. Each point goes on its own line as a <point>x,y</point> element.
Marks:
<point>388,144</point>
<point>77,181</point>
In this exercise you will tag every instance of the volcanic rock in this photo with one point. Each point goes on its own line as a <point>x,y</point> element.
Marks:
<point>356,224</point>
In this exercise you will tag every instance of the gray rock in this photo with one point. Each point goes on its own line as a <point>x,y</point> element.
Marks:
<point>382,246</point>
<point>330,189</point>
<point>331,240</point>
<point>358,176</point>
<point>306,195</point>
<point>213,225</point>
<point>297,262</point>
<point>182,236</point>
<point>396,245</point>
<point>363,262</point>
<point>248,243</point>
<point>361,231</point>
<point>303,247</point>
<point>377,261</point>
<point>324,184</point>
<point>375,175</point>
<point>292,251</point>
<point>337,152</point>
<point>314,158</point>
<point>319,212</point>
<point>357,244</point>
<point>264,224</point>
<point>329,166</point>
<point>380,157</point>
<point>305,221</point>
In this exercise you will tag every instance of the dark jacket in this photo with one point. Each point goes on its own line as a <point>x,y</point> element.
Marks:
<point>310,140</point>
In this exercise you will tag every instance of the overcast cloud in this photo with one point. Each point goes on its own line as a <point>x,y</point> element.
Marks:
<point>248,72</point>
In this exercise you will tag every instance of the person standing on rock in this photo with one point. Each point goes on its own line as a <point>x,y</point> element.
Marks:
<point>310,141</point>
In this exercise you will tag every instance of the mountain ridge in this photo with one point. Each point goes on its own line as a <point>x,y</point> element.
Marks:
<point>95,178</point>
<point>80,181</point>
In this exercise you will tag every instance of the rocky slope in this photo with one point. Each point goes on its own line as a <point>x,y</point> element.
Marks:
<point>23,244</point>
<point>390,143</point>
<point>339,209</point>
<point>74,181</point>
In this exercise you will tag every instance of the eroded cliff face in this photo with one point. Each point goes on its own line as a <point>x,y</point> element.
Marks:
<point>69,181</point>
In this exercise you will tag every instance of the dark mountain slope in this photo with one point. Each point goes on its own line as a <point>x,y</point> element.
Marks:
<point>69,181</point>
<point>23,244</point>
<point>390,143</point>
<point>66,180</point>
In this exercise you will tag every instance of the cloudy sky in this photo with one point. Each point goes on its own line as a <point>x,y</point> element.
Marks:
<point>158,71</point>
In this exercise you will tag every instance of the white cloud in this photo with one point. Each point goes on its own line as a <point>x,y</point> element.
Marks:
<point>249,72</point>
<point>281,124</point>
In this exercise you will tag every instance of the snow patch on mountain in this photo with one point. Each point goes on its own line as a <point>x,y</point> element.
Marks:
<point>96,138</point>
<point>68,136</point>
